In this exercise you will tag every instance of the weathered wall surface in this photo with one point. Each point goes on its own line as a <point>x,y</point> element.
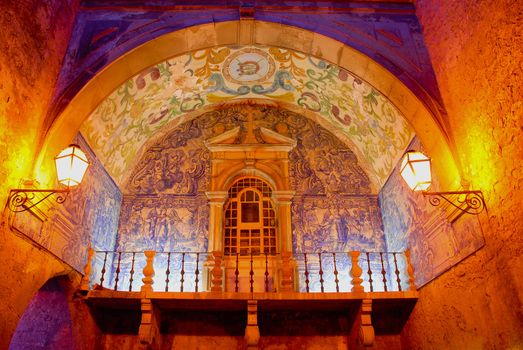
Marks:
<point>475,48</point>
<point>46,323</point>
<point>55,319</point>
<point>33,41</point>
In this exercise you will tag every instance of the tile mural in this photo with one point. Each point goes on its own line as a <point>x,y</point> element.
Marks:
<point>89,216</point>
<point>165,209</point>
<point>409,221</point>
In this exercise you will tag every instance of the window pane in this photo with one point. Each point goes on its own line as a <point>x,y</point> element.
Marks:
<point>250,212</point>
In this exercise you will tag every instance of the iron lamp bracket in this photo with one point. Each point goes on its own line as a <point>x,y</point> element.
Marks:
<point>24,199</point>
<point>470,202</point>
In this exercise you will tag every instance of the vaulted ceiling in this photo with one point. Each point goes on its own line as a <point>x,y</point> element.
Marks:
<point>172,91</point>
<point>135,70</point>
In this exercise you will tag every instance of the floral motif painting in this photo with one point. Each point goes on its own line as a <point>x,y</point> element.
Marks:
<point>346,104</point>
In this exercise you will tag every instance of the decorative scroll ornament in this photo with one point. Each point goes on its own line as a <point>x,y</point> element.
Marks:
<point>470,202</point>
<point>24,199</point>
<point>416,171</point>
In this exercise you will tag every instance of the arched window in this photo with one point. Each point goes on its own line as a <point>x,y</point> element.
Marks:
<point>250,220</point>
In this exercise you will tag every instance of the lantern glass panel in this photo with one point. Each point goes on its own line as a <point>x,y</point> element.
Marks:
<point>71,165</point>
<point>415,170</point>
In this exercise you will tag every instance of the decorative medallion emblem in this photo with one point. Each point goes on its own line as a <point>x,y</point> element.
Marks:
<point>249,65</point>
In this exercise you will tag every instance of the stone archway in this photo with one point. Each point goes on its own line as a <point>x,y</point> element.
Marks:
<point>413,110</point>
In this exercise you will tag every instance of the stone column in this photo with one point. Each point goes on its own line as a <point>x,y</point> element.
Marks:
<point>215,243</point>
<point>216,201</point>
<point>283,204</point>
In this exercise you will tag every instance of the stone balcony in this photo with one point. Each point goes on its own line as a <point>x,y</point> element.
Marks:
<point>374,291</point>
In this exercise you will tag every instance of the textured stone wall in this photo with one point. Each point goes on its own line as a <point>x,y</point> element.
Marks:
<point>476,51</point>
<point>33,41</point>
<point>46,323</point>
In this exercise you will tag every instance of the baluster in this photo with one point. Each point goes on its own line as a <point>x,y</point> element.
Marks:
<point>383,272</point>
<point>251,273</point>
<point>355,272</point>
<point>116,279</point>
<point>236,274</point>
<point>148,271</point>
<point>182,272</point>
<point>321,274</point>
<point>103,271</point>
<point>287,272</point>
<point>266,273</point>
<point>167,272</point>
<point>369,272</point>
<point>410,271</point>
<point>306,273</point>
<point>217,272</point>
<point>336,280</point>
<point>196,272</point>
<point>87,270</point>
<point>397,272</point>
<point>132,274</point>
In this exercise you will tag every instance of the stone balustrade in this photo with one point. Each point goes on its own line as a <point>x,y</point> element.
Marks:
<point>312,272</point>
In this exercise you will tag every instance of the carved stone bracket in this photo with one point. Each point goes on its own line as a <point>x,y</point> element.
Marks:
<point>362,332</point>
<point>149,331</point>
<point>252,332</point>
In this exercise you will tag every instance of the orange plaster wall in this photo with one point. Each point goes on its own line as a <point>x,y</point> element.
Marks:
<point>33,38</point>
<point>476,50</point>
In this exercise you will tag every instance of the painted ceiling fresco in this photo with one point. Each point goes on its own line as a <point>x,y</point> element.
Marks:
<point>146,103</point>
<point>388,32</point>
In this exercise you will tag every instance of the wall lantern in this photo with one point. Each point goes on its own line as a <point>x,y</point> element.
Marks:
<point>71,165</point>
<point>416,171</point>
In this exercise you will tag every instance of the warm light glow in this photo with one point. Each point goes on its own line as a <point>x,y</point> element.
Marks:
<point>415,170</point>
<point>71,165</point>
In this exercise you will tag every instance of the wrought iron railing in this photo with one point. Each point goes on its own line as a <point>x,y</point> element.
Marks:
<point>317,272</point>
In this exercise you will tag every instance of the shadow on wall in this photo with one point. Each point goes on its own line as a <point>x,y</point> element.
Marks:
<point>46,323</point>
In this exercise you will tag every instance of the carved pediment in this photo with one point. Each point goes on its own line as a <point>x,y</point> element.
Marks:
<point>261,138</point>
<point>251,139</point>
